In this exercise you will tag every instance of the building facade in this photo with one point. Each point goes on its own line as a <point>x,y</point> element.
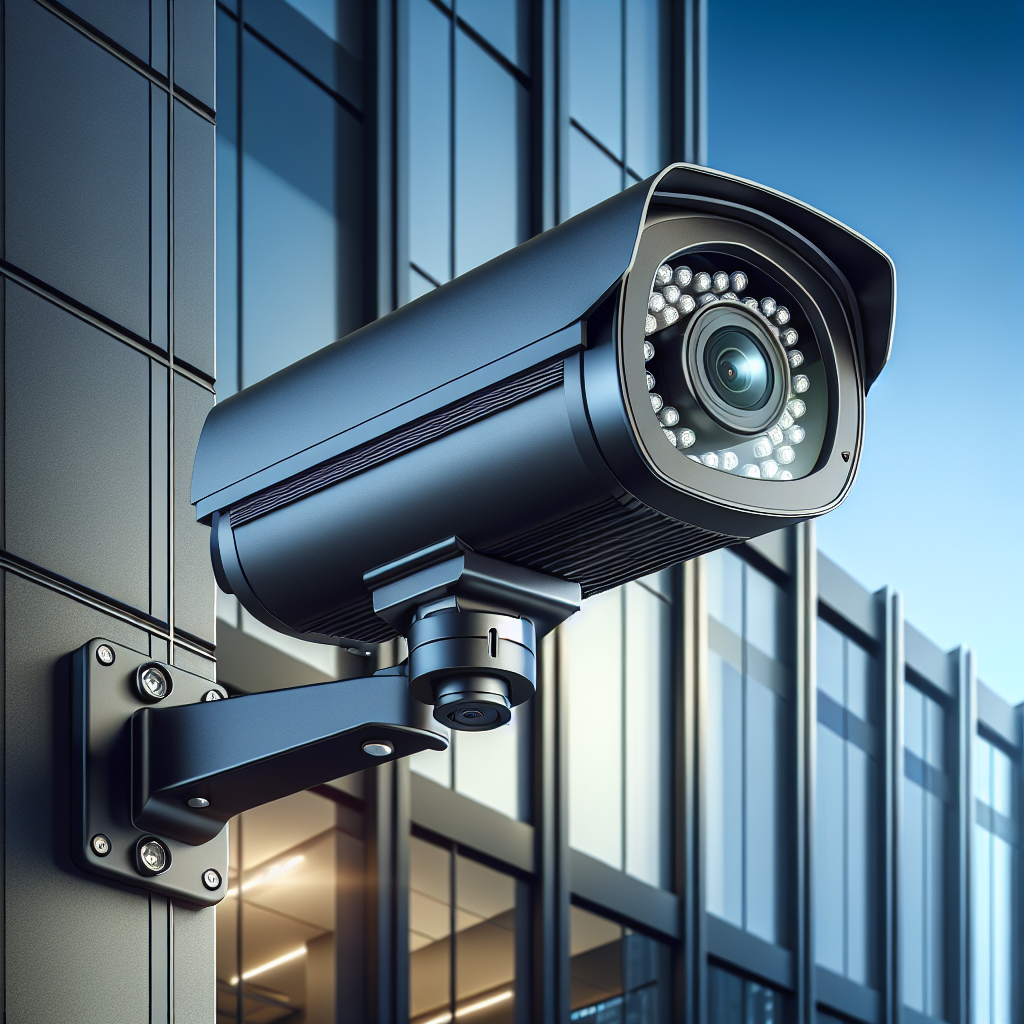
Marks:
<point>747,790</point>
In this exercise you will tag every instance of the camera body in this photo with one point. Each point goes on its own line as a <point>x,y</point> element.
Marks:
<point>677,369</point>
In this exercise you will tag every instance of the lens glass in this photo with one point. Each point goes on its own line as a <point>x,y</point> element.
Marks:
<point>739,369</point>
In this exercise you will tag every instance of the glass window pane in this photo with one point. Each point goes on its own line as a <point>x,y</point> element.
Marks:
<point>302,208</point>
<point>1002,782</point>
<point>983,770</point>
<point>490,206</point>
<point>485,943</point>
<point>859,686</point>
<point>591,671</point>
<point>764,830</point>
<point>829,851</point>
<point>724,792</point>
<point>913,896</point>
<point>830,661</point>
<point>430,913</point>
<point>434,764</point>
<point>227,205</point>
<point>935,734</point>
<point>725,589</point>
<point>593,177</point>
<point>430,165</point>
<point>340,20</point>
<point>488,765</point>
<point>595,69</point>
<point>913,720</point>
<point>648,718</point>
<point>643,87</point>
<point>860,866</point>
<point>767,618</point>
<point>982,952</point>
<point>935,916</point>
<point>502,24</point>
<point>616,975</point>
<point>1004,964</point>
<point>734,1000</point>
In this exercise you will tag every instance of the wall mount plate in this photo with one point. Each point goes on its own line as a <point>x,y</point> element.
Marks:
<point>104,696</point>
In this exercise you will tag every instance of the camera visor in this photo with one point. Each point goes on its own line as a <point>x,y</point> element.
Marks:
<point>738,368</point>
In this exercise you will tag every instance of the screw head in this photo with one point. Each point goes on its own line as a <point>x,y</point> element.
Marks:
<point>211,878</point>
<point>211,695</point>
<point>378,748</point>
<point>153,682</point>
<point>151,856</point>
<point>100,844</point>
<point>105,654</point>
<point>199,801</point>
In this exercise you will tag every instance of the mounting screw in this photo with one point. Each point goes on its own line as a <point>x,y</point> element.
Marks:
<point>199,801</point>
<point>211,878</point>
<point>100,844</point>
<point>151,856</point>
<point>378,748</point>
<point>153,682</point>
<point>105,654</point>
<point>211,695</point>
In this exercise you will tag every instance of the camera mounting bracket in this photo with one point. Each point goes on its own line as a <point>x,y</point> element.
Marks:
<point>472,623</point>
<point>160,775</point>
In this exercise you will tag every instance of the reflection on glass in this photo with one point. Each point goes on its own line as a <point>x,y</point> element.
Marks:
<point>616,975</point>
<point>734,1000</point>
<point>615,668</point>
<point>643,87</point>
<point>746,806</point>
<point>296,876</point>
<point>301,217</point>
<point>595,70</point>
<point>482,919</point>
<point>339,20</point>
<point>923,908</point>
<point>227,205</point>
<point>846,802</point>
<point>489,207</point>
<point>994,855</point>
<point>593,176</point>
<point>502,23</point>
<point>429,144</point>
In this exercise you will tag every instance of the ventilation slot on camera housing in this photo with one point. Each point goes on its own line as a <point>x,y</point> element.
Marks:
<point>599,547</point>
<point>414,435</point>
<point>609,544</point>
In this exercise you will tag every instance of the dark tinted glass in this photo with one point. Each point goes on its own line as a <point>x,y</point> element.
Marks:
<point>500,22</point>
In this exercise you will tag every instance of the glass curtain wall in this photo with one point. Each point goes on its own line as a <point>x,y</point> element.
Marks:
<point>617,100</point>
<point>616,975</point>
<point>467,101</point>
<point>463,952</point>
<point>750,687</point>
<point>615,671</point>
<point>736,1000</point>
<point>927,790</point>
<point>995,895</point>
<point>846,819</point>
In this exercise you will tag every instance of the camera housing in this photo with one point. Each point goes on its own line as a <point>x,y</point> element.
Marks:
<point>561,411</point>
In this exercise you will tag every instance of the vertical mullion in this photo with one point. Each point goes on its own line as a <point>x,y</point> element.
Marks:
<point>623,626</point>
<point>966,731</point>
<point>453,176</point>
<point>623,92</point>
<point>805,719</point>
<point>239,184</point>
<point>743,749</point>
<point>453,852</point>
<point>894,702</point>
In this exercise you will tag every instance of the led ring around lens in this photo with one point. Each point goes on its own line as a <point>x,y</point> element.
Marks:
<point>735,368</point>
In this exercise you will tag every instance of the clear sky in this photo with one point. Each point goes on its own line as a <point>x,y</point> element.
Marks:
<point>905,120</point>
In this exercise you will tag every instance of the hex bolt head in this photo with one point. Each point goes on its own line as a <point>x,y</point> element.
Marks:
<point>153,682</point>
<point>378,748</point>
<point>211,695</point>
<point>211,878</point>
<point>105,654</point>
<point>152,856</point>
<point>100,844</point>
<point>199,802</point>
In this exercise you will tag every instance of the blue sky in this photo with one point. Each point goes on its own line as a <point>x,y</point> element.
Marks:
<point>905,120</point>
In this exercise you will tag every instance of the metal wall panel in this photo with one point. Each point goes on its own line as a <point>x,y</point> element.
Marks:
<point>77,449</point>
<point>77,947</point>
<point>77,166</point>
<point>126,22</point>
<point>194,69</point>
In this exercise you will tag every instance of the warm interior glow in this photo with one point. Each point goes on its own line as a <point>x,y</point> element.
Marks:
<point>246,975</point>
<point>268,876</point>
<point>465,1011</point>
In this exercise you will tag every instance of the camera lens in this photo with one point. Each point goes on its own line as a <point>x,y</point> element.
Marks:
<point>738,368</point>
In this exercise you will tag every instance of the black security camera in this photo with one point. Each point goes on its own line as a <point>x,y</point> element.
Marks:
<point>679,368</point>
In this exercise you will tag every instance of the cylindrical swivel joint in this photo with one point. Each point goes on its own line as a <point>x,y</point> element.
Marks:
<point>474,667</point>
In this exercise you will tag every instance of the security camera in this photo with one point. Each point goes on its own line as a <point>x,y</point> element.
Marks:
<point>680,368</point>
